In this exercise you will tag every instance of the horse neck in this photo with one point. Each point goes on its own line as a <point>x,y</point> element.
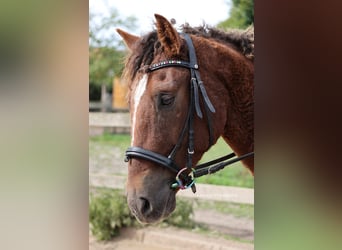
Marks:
<point>230,76</point>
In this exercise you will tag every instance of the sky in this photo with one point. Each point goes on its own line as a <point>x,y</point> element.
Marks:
<point>195,12</point>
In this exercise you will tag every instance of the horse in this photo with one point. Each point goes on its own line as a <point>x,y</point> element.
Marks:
<point>185,91</point>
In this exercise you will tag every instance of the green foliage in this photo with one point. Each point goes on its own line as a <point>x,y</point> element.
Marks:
<point>108,212</point>
<point>105,46</point>
<point>182,216</point>
<point>241,15</point>
<point>104,64</point>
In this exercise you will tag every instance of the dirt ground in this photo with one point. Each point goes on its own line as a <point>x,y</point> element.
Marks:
<point>151,238</point>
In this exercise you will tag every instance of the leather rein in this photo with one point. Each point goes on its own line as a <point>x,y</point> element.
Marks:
<point>183,180</point>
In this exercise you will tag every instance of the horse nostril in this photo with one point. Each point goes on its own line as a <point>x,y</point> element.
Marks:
<point>144,205</point>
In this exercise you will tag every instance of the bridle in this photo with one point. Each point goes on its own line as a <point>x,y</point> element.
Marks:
<point>183,180</point>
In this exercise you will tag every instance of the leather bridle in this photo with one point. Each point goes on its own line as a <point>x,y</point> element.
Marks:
<point>197,88</point>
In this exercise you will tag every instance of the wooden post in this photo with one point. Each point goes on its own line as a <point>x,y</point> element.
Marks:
<point>103,97</point>
<point>119,94</point>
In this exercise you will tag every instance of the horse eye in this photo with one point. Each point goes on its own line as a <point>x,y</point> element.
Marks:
<point>166,99</point>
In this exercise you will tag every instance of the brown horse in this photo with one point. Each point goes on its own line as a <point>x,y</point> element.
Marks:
<point>160,102</point>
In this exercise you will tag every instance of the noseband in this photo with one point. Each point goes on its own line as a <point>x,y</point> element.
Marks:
<point>197,88</point>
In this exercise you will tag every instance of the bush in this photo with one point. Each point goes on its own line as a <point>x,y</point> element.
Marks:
<point>182,216</point>
<point>108,212</point>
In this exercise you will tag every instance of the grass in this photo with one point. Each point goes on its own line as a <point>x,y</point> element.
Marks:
<point>121,141</point>
<point>234,175</point>
<point>236,209</point>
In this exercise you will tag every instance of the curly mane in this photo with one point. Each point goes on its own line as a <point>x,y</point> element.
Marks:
<point>243,40</point>
<point>240,40</point>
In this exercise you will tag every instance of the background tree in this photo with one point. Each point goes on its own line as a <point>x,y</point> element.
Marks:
<point>241,15</point>
<point>106,49</point>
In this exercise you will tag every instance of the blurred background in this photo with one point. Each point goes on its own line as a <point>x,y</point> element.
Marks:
<point>44,128</point>
<point>223,208</point>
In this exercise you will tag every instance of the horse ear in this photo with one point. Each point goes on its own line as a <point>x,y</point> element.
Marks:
<point>129,39</point>
<point>168,36</point>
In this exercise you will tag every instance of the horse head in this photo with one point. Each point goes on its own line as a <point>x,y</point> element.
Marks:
<point>162,119</point>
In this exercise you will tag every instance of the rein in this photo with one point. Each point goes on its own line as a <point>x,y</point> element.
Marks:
<point>183,180</point>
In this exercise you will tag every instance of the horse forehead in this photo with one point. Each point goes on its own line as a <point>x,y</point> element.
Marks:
<point>168,78</point>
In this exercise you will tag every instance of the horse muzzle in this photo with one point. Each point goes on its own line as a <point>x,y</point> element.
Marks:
<point>152,209</point>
